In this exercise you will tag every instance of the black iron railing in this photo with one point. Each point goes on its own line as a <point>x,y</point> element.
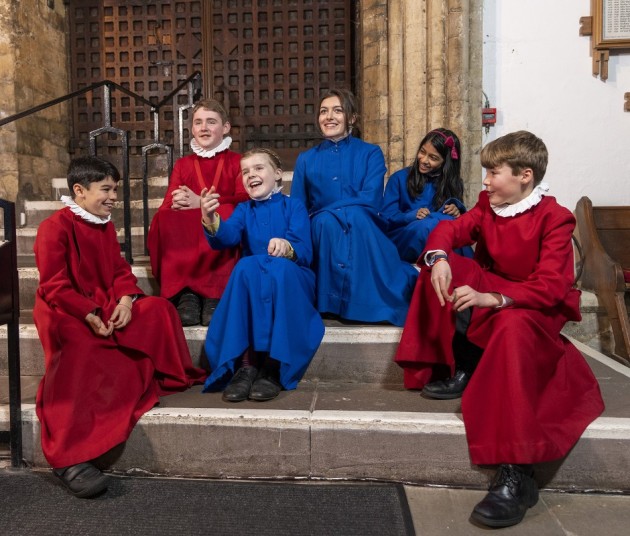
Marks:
<point>193,84</point>
<point>10,315</point>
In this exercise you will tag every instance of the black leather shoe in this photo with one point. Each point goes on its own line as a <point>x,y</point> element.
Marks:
<point>447,389</point>
<point>189,309</point>
<point>512,492</point>
<point>240,384</point>
<point>82,480</point>
<point>209,305</point>
<point>266,386</point>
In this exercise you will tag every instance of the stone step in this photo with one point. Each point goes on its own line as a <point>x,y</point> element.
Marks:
<point>38,211</point>
<point>343,430</point>
<point>594,329</point>
<point>351,353</point>
<point>157,187</point>
<point>26,239</point>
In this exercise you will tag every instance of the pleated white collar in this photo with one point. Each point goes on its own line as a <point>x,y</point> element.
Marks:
<point>209,153</point>
<point>530,201</point>
<point>82,213</point>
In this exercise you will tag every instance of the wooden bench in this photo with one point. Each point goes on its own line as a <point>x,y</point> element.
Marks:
<point>9,315</point>
<point>604,234</point>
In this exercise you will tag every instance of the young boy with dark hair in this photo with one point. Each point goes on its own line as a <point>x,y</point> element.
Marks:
<point>110,351</point>
<point>532,394</point>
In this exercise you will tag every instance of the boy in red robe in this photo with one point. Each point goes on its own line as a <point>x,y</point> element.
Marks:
<point>110,351</point>
<point>190,274</point>
<point>532,394</point>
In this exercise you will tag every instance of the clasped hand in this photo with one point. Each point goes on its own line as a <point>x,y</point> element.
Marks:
<point>183,198</point>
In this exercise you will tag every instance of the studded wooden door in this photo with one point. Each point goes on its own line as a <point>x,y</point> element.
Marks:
<point>269,61</point>
<point>266,60</point>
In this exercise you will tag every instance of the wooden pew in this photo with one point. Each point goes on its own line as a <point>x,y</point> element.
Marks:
<point>605,238</point>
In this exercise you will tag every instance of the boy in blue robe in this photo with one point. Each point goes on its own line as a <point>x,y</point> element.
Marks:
<point>266,326</point>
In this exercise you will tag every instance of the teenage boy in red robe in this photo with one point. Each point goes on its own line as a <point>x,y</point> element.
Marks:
<point>190,274</point>
<point>110,352</point>
<point>532,394</point>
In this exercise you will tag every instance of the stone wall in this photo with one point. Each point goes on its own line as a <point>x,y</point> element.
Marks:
<point>33,70</point>
<point>422,69</point>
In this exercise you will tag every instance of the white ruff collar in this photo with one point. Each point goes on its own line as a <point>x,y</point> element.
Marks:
<point>530,201</point>
<point>209,153</point>
<point>82,213</point>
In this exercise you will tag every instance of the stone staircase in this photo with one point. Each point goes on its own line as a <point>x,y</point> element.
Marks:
<point>350,417</point>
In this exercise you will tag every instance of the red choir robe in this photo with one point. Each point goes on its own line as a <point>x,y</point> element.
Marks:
<point>532,394</point>
<point>95,389</point>
<point>179,252</point>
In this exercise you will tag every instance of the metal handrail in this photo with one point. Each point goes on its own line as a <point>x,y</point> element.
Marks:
<point>70,96</point>
<point>194,91</point>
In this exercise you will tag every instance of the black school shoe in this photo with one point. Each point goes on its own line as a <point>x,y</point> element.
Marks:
<point>83,480</point>
<point>209,306</point>
<point>189,309</point>
<point>447,389</point>
<point>267,384</point>
<point>512,491</point>
<point>240,385</point>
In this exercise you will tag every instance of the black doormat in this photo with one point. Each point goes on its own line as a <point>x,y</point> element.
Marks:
<point>33,503</point>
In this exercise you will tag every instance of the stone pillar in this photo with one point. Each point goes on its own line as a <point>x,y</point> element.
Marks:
<point>421,69</point>
<point>33,70</point>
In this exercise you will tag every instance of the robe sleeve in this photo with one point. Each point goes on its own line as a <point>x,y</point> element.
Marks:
<point>452,234</point>
<point>552,277</point>
<point>392,202</point>
<point>230,231</point>
<point>55,286</point>
<point>298,184</point>
<point>371,189</point>
<point>125,283</point>
<point>299,234</point>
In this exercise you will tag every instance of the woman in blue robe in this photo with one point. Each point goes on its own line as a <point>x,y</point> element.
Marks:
<point>266,325</point>
<point>359,273</point>
<point>417,198</point>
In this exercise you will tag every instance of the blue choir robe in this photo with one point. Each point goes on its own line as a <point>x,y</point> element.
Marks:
<point>268,304</point>
<point>404,230</point>
<point>359,273</point>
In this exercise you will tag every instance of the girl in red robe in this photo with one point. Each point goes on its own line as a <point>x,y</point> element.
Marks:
<point>189,273</point>
<point>110,351</point>
<point>532,394</point>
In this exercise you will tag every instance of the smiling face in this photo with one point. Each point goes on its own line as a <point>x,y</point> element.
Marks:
<point>429,159</point>
<point>332,119</point>
<point>208,128</point>
<point>504,187</point>
<point>98,198</point>
<point>259,175</point>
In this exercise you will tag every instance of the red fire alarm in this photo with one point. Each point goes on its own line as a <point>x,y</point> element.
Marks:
<point>488,117</point>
